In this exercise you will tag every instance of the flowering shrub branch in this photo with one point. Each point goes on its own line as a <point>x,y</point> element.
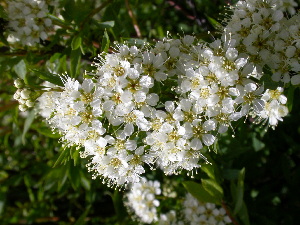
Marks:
<point>163,105</point>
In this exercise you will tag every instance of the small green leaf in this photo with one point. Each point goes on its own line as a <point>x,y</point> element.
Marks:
<point>213,22</point>
<point>27,124</point>
<point>239,192</point>
<point>29,190</point>
<point>63,157</point>
<point>21,69</point>
<point>74,176</point>
<point>105,42</point>
<point>59,22</point>
<point>117,198</point>
<point>243,214</point>
<point>75,156</point>
<point>231,174</point>
<point>76,42</point>
<point>209,170</point>
<point>52,78</point>
<point>199,192</point>
<point>290,97</point>
<point>81,219</point>
<point>213,188</point>
<point>86,183</point>
<point>46,131</point>
<point>75,62</point>
<point>62,177</point>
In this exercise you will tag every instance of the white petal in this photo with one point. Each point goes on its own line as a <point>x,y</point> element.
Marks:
<point>196,144</point>
<point>208,139</point>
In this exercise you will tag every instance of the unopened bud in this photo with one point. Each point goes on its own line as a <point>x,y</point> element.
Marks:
<point>22,100</point>
<point>19,83</point>
<point>29,103</point>
<point>23,108</point>
<point>16,96</point>
<point>25,93</point>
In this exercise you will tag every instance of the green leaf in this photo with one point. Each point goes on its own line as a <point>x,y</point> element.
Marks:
<point>76,42</point>
<point>290,97</point>
<point>117,198</point>
<point>74,176</point>
<point>199,192</point>
<point>29,190</point>
<point>59,22</point>
<point>52,78</point>
<point>239,192</point>
<point>243,214</point>
<point>46,131</point>
<point>3,13</point>
<point>81,219</point>
<point>3,192</point>
<point>21,69</point>
<point>62,177</point>
<point>213,22</point>
<point>86,183</point>
<point>213,188</point>
<point>27,124</point>
<point>231,174</point>
<point>105,42</point>
<point>3,175</point>
<point>75,62</point>
<point>63,157</point>
<point>3,39</point>
<point>75,156</point>
<point>209,170</point>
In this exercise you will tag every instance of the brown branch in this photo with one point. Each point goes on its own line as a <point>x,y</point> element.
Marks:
<point>233,220</point>
<point>10,105</point>
<point>134,21</point>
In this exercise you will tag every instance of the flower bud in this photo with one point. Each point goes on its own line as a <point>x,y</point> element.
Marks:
<point>22,100</point>
<point>25,93</point>
<point>29,103</point>
<point>16,96</point>
<point>23,108</point>
<point>19,83</point>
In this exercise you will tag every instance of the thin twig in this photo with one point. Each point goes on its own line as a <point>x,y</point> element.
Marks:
<point>94,12</point>
<point>134,21</point>
<point>192,5</point>
<point>233,220</point>
<point>179,8</point>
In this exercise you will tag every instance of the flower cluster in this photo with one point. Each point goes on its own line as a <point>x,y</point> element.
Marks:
<point>259,30</point>
<point>142,201</point>
<point>124,117</point>
<point>28,20</point>
<point>164,105</point>
<point>196,212</point>
<point>23,95</point>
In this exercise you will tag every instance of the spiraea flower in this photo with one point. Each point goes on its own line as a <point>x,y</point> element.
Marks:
<point>259,30</point>
<point>125,119</point>
<point>141,199</point>
<point>28,21</point>
<point>196,212</point>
